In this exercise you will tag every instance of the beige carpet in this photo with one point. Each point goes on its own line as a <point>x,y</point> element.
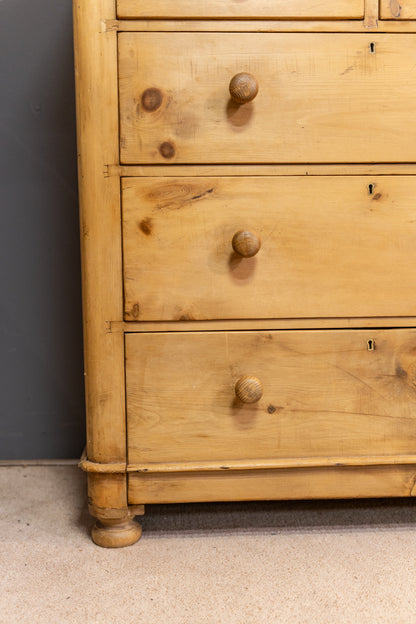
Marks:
<point>330,562</point>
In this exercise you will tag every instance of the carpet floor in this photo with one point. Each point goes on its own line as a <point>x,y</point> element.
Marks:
<point>326,562</point>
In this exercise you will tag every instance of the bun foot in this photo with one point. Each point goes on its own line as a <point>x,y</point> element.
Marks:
<point>116,532</point>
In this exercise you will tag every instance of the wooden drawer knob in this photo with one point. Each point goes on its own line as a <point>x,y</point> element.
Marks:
<point>249,389</point>
<point>243,88</point>
<point>246,244</point>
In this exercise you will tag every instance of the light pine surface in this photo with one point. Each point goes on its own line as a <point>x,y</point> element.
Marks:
<point>329,247</point>
<point>368,25</point>
<point>322,98</point>
<point>324,394</point>
<point>333,409</point>
<point>97,125</point>
<point>235,8</point>
<point>357,482</point>
<point>395,9</point>
<point>371,14</point>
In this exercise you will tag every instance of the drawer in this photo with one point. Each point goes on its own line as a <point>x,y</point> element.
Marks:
<point>336,246</point>
<point>323,394</point>
<point>321,98</point>
<point>392,9</point>
<point>312,9</point>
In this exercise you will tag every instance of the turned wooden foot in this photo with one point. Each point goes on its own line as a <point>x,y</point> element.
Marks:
<point>115,532</point>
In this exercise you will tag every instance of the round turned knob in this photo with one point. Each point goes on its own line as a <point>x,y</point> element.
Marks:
<point>249,389</point>
<point>243,88</point>
<point>246,244</point>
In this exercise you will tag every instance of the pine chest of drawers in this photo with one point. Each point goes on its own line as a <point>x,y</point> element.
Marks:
<point>248,227</point>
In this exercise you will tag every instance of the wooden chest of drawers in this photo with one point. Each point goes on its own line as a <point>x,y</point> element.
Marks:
<point>247,189</point>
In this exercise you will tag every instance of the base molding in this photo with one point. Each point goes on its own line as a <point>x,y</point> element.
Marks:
<point>273,464</point>
<point>273,484</point>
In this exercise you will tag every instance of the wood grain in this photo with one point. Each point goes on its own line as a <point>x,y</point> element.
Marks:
<point>395,9</point>
<point>254,9</point>
<point>317,172</point>
<point>248,389</point>
<point>96,82</point>
<point>371,13</point>
<point>246,244</point>
<point>349,482</point>
<point>265,26</point>
<point>324,394</point>
<point>97,127</point>
<point>322,98</point>
<point>243,88</point>
<point>273,464</point>
<point>353,258</point>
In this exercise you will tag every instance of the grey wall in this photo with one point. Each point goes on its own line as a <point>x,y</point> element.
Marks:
<point>41,381</point>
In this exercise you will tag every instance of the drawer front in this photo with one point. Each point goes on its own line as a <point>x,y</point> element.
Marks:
<point>324,394</point>
<point>327,247</point>
<point>318,9</point>
<point>321,98</point>
<point>392,9</point>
